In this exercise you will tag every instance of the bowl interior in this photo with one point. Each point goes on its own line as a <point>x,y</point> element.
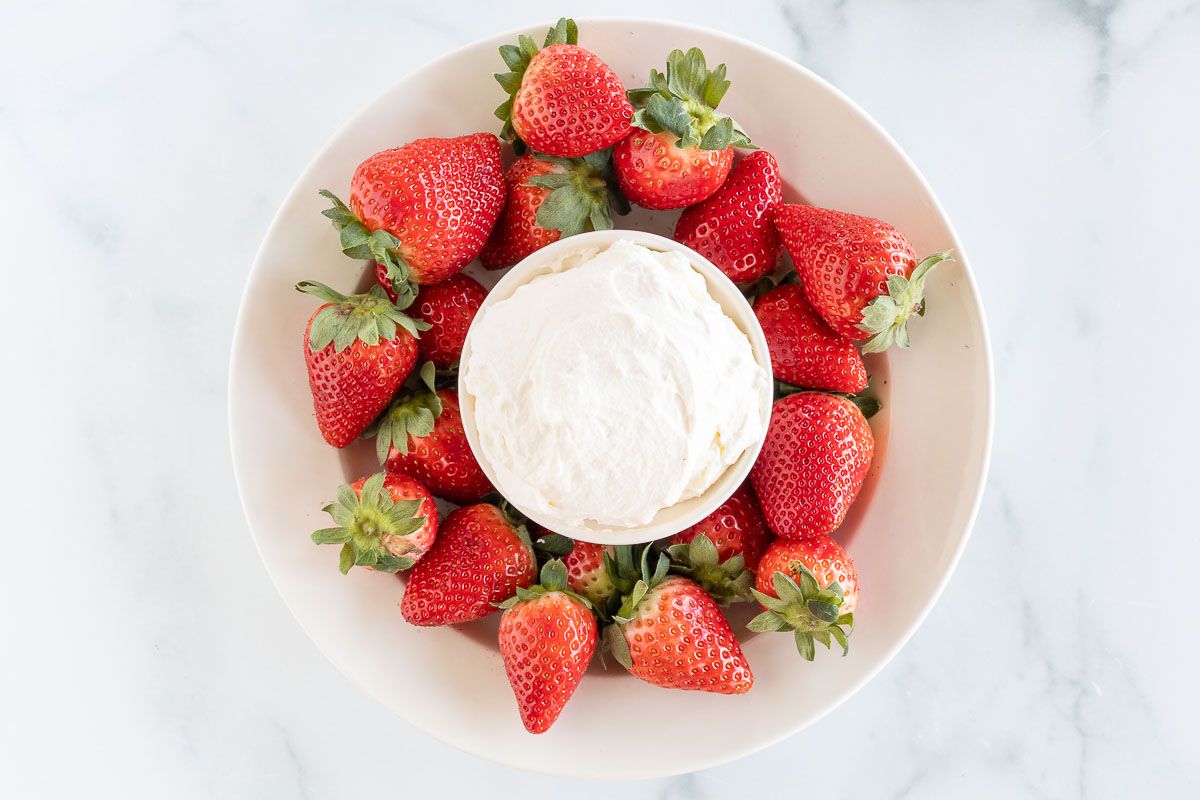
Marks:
<point>681,515</point>
<point>905,533</point>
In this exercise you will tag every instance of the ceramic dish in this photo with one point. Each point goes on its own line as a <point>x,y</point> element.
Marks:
<point>905,533</point>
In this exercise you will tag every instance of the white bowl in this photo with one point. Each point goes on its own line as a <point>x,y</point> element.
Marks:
<point>681,515</point>
<point>905,533</point>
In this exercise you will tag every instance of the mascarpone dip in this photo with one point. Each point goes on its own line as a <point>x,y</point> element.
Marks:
<point>611,386</point>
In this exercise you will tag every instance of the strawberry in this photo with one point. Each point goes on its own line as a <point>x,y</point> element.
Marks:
<point>358,350</point>
<point>421,435</point>
<point>587,573</point>
<point>448,308</point>
<point>733,228</point>
<point>808,586</point>
<point>858,273</point>
<point>813,463</point>
<point>737,528</point>
<point>479,559</point>
<point>671,633</point>
<point>548,198</point>
<point>547,638</point>
<point>804,350</point>
<point>563,100</point>
<point>681,149</point>
<point>385,522</point>
<point>423,211</point>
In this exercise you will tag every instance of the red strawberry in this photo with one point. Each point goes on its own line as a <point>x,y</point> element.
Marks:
<point>422,436</point>
<point>858,273</point>
<point>422,211</point>
<point>733,229</point>
<point>681,149</point>
<point>385,522</point>
<point>480,558</point>
<point>549,198</point>
<point>587,574</point>
<point>810,587</point>
<point>547,638</point>
<point>804,351</point>
<point>671,633</point>
<point>358,350</point>
<point>813,463</point>
<point>564,101</point>
<point>736,528</point>
<point>448,308</point>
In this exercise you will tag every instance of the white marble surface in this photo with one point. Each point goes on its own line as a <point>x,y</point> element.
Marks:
<point>143,149</point>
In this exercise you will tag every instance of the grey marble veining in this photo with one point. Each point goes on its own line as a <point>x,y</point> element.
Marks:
<point>144,147</point>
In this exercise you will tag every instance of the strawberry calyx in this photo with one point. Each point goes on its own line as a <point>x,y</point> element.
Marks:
<point>379,246</point>
<point>684,101</point>
<point>727,581</point>
<point>366,525</point>
<point>865,401</point>
<point>886,317</point>
<point>553,545</point>
<point>369,318</point>
<point>613,637</point>
<point>580,195</point>
<point>412,414</point>
<point>813,614</point>
<point>553,578</point>
<point>516,58</point>
<point>648,580</point>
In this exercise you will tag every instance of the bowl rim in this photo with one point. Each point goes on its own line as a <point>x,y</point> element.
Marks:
<point>684,514</point>
<point>748,746</point>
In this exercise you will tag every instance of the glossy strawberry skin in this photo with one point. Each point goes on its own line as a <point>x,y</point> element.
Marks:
<point>823,557</point>
<point>439,197</point>
<point>679,639</point>
<point>812,465</point>
<point>586,573</point>
<point>570,103</point>
<point>517,234</point>
<point>400,488</point>
<point>737,527</point>
<point>477,559</point>
<point>804,350</point>
<point>352,387</point>
<point>654,173</point>
<point>733,228</point>
<point>546,644</point>
<point>448,307</point>
<point>443,460</point>
<point>843,261</point>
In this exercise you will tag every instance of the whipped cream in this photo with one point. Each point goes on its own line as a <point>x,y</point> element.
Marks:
<point>610,387</point>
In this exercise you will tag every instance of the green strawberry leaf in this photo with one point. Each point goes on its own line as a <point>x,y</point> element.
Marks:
<point>684,101</point>
<point>365,521</point>
<point>886,317</point>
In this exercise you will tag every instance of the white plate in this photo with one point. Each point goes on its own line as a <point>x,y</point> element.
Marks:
<point>906,532</point>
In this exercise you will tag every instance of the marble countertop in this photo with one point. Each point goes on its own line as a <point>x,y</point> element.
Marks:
<point>144,147</point>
